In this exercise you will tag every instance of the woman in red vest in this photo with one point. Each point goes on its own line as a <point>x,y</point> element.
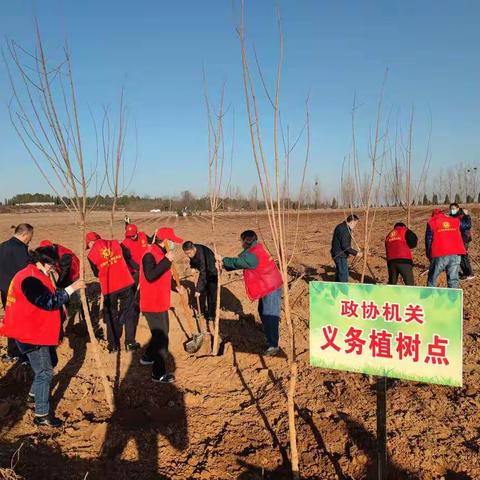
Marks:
<point>33,316</point>
<point>68,265</point>
<point>109,264</point>
<point>263,282</point>
<point>444,248</point>
<point>398,246</point>
<point>155,293</point>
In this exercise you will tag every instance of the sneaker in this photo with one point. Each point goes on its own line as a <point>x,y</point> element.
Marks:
<point>166,378</point>
<point>144,360</point>
<point>272,351</point>
<point>470,277</point>
<point>131,347</point>
<point>113,349</point>
<point>47,421</point>
<point>30,399</point>
<point>9,358</point>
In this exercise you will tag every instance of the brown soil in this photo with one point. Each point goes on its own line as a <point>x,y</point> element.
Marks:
<point>225,417</point>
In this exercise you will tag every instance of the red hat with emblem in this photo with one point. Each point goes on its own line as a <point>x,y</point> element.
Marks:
<point>131,230</point>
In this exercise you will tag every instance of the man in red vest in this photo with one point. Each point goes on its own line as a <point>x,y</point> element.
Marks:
<point>398,246</point>
<point>33,318</point>
<point>263,282</point>
<point>444,248</point>
<point>68,265</point>
<point>136,243</point>
<point>109,264</point>
<point>155,293</point>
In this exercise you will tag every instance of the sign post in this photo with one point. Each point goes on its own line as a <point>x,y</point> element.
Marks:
<point>410,333</point>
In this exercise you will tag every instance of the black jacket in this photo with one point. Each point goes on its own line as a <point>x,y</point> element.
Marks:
<point>342,241</point>
<point>204,262</point>
<point>13,258</point>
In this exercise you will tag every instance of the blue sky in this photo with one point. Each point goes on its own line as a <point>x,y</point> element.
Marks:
<point>333,51</point>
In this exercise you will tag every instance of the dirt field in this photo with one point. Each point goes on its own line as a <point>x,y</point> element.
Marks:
<point>225,417</point>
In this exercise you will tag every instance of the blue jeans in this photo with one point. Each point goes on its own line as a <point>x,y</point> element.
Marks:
<point>269,310</point>
<point>42,361</point>
<point>341,269</point>
<point>449,264</point>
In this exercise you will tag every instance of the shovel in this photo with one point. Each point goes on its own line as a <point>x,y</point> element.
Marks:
<point>194,344</point>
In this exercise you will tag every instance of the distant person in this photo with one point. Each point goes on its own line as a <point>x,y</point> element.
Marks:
<point>155,296</point>
<point>13,258</point>
<point>203,260</point>
<point>466,272</point>
<point>68,265</point>
<point>33,318</point>
<point>263,282</point>
<point>398,246</point>
<point>342,247</point>
<point>108,263</point>
<point>444,248</point>
<point>136,243</point>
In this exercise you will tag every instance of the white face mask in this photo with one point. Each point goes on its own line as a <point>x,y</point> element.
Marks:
<point>453,211</point>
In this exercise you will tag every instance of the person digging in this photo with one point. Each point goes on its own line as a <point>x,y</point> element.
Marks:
<point>263,282</point>
<point>155,298</point>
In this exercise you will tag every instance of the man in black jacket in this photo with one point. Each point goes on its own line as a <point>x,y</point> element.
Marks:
<point>13,258</point>
<point>203,260</point>
<point>342,247</point>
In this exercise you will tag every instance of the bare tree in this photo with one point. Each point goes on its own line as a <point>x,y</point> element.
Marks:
<point>272,188</point>
<point>44,112</point>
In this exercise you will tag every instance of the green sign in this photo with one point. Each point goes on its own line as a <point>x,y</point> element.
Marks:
<point>414,333</point>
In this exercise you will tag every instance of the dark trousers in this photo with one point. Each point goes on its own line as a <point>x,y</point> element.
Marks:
<point>119,309</point>
<point>341,269</point>
<point>465,267</point>
<point>208,298</point>
<point>405,270</point>
<point>157,349</point>
<point>12,348</point>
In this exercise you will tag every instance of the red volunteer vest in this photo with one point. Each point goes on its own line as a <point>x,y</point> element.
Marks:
<point>137,247</point>
<point>263,279</point>
<point>113,272</point>
<point>396,245</point>
<point>26,322</point>
<point>74,273</point>
<point>155,296</point>
<point>447,239</point>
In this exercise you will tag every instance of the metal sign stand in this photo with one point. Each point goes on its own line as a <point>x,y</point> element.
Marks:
<point>381,428</point>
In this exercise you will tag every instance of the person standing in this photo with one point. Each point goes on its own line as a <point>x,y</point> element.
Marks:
<point>108,263</point>
<point>342,247</point>
<point>398,246</point>
<point>462,214</point>
<point>203,260</point>
<point>155,296</point>
<point>33,317</point>
<point>13,258</point>
<point>444,248</point>
<point>136,243</point>
<point>263,282</point>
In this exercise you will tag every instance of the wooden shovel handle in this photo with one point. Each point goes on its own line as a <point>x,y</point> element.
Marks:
<point>186,309</point>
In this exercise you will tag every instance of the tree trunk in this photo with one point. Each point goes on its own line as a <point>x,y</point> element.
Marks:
<point>107,388</point>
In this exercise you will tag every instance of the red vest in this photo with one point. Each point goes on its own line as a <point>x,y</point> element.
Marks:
<point>113,272</point>
<point>155,296</point>
<point>137,248</point>
<point>396,245</point>
<point>263,279</point>
<point>26,322</point>
<point>74,273</point>
<point>447,239</point>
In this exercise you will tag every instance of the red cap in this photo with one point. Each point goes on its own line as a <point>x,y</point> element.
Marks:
<point>91,237</point>
<point>131,230</point>
<point>167,233</point>
<point>46,243</point>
